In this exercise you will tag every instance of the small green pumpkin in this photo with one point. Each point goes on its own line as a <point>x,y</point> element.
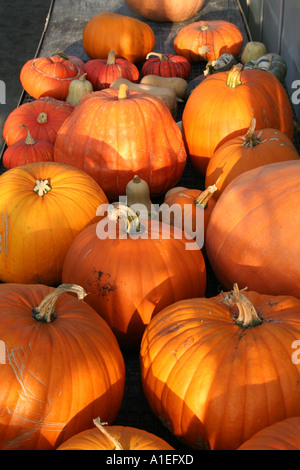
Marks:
<point>272,62</point>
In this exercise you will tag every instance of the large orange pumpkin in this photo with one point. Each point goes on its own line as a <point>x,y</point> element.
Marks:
<point>284,435</point>
<point>131,275</point>
<point>115,134</point>
<point>43,206</point>
<point>222,106</point>
<point>166,10</point>
<point>217,370</point>
<point>62,367</point>
<point>114,438</point>
<point>208,40</point>
<point>129,37</point>
<point>246,152</point>
<point>253,232</point>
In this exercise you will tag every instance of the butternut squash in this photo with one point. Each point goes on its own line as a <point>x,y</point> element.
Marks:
<point>174,83</point>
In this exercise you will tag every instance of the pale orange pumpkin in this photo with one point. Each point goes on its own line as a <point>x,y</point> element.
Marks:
<point>166,10</point>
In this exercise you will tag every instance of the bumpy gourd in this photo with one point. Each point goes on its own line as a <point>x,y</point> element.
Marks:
<point>272,63</point>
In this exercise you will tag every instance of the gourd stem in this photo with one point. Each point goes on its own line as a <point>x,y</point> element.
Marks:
<point>29,139</point>
<point>250,139</point>
<point>111,58</point>
<point>248,316</point>
<point>205,196</point>
<point>83,77</point>
<point>136,179</point>
<point>42,118</point>
<point>100,426</point>
<point>234,76</point>
<point>158,54</point>
<point>122,91</point>
<point>128,215</point>
<point>45,312</point>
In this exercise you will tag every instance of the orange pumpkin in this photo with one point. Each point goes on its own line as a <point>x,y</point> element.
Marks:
<point>129,37</point>
<point>132,273</point>
<point>115,134</point>
<point>207,40</point>
<point>63,366</point>
<point>217,370</point>
<point>222,105</point>
<point>246,152</point>
<point>283,435</point>
<point>114,438</point>
<point>43,206</point>
<point>253,232</point>
<point>166,10</point>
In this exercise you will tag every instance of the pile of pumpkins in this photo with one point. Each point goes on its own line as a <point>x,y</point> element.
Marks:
<point>86,277</point>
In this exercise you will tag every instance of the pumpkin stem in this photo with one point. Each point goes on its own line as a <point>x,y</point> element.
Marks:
<point>248,317</point>
<point>45,312</point>
<point>158,54</point>
<point>42,118</point>
<point>128,215</point>
<point>204,27</point>
<point>122,91</point>
<point>205,196</point>
<point>250,139</point>
<point>234,76</point>
<point>100,426</point>
<point>42,187</point>
<point>61,54</point>
<point>29,139</point>
<point>111,58</point>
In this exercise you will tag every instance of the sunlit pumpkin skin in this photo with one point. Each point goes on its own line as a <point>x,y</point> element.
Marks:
<point>128,438</point>
<point>57,376</point>
<point>49,76</point>
<point>244,153</point>
<point>166,10</point>
<point>222,107</point>
<point>129,37</point>
<point>283,435</point>
<point>207,40</point>
<point>215,383</point>
<point>26,151</point>
<point>43,118</point>
<point>166,65</point>
<point>253,232</point>
<point>102,72</point>
<point>132,277</point>
<point>112,139</point>
<point>38,227</point>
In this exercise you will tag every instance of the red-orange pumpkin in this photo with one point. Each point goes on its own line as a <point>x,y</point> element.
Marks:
<point>115,438</point>
<point>222,106</point>
<point>217,370</point>
<point>253,232</point>
<point>62,366</point>
<point>43,118</point>
<point>246,152</point>
<point>207,40</point>
<point>43,206</point>
<point>129,37</point>
<point>115,134</point>
<point>27,151</point>
<point>102,72</point>
<point>166,65</point>
<point>166,10</point>
<point>131,275</point>
<point>50,76</point>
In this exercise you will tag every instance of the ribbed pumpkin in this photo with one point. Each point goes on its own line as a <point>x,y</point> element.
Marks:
<point>222,106</point>
<point>102,72</point>
<point>43,118</point>
<point>217,370</point>
<point>63,366</point>
<point>115,134</point>
<point>50,76</point>
<point>166,10</point>
<point>43,206</point>
<point>26,151</point>
<point>129,37</point>
<point>244,153</point>
<point>166,65</point>
<point>207,40</point>
<point>283,435</point>
<point>132,273</point>
<point>253,232</point>
<point>114,438</point>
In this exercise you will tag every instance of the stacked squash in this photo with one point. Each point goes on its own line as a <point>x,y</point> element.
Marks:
<point>87,277</point>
